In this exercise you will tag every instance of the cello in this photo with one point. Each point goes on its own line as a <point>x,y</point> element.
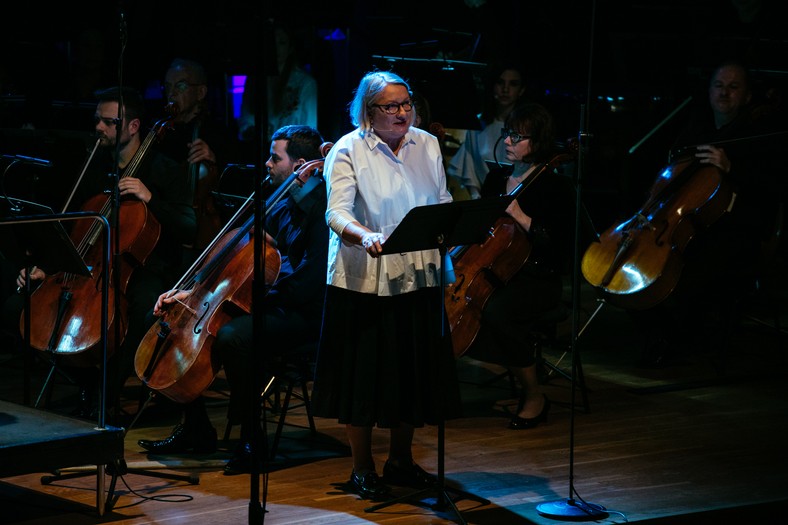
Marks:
<point>67,307</point>
<point>636,264</point>
<point>481,268</point>
<point>203,178</point>
<point>175,357</point>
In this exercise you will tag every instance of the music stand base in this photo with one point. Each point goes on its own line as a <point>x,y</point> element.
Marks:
<point>442,499</point>
<point>571,510</point>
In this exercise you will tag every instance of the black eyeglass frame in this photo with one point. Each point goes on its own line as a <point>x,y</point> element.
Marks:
<point>513,136</point>
<point>386,108</point>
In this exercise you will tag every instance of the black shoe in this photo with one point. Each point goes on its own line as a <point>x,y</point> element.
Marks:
<point>183,440</point>
<point>412,476</point>
<point>368,485</point>
<point>242,460</point>
<point>525,423</point>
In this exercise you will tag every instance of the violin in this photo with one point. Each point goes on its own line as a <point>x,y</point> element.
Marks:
<point>67,307</point>
<point>637,263</point>
<point>480,269</point>
<point>175,357</point>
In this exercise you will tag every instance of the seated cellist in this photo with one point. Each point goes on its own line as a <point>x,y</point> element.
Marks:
<point>544,211</point>
<point>292,307</point>
<point>721,260</point>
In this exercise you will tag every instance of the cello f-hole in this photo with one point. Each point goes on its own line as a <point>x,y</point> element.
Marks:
<point>206,305</point>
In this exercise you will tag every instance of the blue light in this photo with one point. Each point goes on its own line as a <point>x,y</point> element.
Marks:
<point>237,85</point>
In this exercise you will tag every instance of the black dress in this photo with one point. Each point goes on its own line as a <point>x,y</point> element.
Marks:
<point>512,311</point>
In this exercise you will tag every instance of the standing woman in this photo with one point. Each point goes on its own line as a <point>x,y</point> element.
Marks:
<point>382,359</point>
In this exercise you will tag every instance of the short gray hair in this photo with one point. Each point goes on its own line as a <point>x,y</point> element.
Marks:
<point>370,86</point>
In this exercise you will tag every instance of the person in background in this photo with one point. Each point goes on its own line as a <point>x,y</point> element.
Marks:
<point>292,307</point>
<point>544,214</point>
<point>467,167</point>
<point>721,261</point>
<point>199,141</point>
<point>292,91</point>
<point>383,359</point>
<point>163,187</point>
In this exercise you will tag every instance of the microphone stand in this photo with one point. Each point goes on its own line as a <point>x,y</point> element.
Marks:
<point>571,509</point>
<point>266,65</point>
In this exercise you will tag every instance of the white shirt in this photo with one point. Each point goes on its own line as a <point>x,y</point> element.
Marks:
<point>367,183</point>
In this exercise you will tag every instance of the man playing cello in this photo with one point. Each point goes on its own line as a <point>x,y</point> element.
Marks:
<point>292,307</point>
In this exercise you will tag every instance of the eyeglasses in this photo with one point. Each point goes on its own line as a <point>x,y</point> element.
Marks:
<point>393,108</point>
<point>514,137</point>
<point>179,87</point>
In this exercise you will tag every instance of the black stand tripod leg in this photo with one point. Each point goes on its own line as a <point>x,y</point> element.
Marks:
<point>47,386</point>
<point>119,468</point>
<point>439,491</point>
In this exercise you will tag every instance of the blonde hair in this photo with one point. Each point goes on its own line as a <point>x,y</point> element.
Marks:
<point>369,88</point>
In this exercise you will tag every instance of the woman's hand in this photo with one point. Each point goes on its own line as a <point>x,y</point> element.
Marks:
<point>373,243</point>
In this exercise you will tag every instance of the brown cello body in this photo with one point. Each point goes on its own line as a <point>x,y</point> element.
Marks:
<point>175,357</point>
<point>204,179</point>
<point>480,269</point>
<point>637,263</point>
<point>66,308</point>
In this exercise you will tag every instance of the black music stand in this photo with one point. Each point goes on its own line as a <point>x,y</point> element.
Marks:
<point>40,240</point>
<point>441,226</point>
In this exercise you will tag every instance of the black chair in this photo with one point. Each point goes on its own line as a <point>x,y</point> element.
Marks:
<point>290,377</point>
<point>762,304</point>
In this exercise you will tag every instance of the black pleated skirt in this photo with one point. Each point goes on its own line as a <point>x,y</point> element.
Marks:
<point>383,361</point>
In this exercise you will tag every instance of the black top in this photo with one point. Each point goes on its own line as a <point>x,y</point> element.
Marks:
<point>170,203</point>
<point>301,234</point>
<point>753,178</point>
<point>550,202</point>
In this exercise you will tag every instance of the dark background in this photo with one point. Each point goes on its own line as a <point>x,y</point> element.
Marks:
<point>612,69</point>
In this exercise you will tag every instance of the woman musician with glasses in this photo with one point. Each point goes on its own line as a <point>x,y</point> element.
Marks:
<point>543,210</point>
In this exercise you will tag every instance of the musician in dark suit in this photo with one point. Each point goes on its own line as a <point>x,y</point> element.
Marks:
<point>198,140</point>
<point>154,179</point>
<point>722,260</point>
<point>544,213</point>
<point>292,307</point>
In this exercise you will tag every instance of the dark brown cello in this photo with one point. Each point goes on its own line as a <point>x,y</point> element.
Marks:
<point>637,263</point>
<point>481,268</point>
<point>204,178</point>
<point>175,357</point>
<point>66,307</point>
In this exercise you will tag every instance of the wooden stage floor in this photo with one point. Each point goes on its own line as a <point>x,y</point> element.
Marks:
<point>702,441</point>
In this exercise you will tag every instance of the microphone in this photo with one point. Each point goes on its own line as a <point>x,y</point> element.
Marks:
<point>28,160</point>
<point>122,17</point>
